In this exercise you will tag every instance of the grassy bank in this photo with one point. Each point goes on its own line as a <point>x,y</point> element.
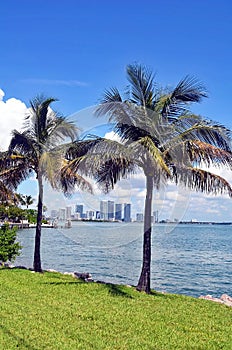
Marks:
<point>54,311</point>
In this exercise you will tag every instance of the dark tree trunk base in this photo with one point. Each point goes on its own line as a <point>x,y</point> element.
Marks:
<point>144,282</point>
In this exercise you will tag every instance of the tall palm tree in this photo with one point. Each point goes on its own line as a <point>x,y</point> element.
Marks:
<point>162,137</point>
<point>40,148</point>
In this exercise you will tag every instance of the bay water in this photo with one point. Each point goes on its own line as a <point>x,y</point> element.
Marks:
<point>190,259</point>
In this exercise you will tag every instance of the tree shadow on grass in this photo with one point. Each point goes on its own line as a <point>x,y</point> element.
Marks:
<point>117,291</point>
<point>66,283</point>
<point>162,295</point>
<point>20,341</point>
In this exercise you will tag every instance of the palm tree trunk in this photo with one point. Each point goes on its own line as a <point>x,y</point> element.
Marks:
<point>37,259</point>
<point>144,283</point>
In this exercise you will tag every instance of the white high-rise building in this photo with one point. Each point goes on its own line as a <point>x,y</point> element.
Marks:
<point>68,213</point>
<point>104,210</point>
<point>62,214</point>
<point>110,210</point>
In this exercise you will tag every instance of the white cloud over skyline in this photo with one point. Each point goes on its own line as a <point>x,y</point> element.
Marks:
<point>12,113</point>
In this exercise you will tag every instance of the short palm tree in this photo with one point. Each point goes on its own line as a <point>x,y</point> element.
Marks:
<point>41,148</point>
<point>162,137</point>
<point>28,200</point>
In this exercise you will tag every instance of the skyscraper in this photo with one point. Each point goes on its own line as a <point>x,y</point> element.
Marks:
<point>156,216</point>
<point>127,212</point>
<point>68,212</point>
<point>61,214</point>
<point>80,209</point>
<point>104,210</point>
<point>110,210</point>
<point>118,211</point>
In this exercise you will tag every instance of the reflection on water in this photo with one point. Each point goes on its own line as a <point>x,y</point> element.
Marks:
<point>191,259</point>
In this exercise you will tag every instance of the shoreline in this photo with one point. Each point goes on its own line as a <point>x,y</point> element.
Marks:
<point>224,299</point>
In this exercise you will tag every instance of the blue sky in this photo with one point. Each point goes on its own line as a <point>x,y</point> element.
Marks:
<point>73,50</point>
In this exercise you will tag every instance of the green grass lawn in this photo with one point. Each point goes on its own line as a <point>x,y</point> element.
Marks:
<point>55,311</point>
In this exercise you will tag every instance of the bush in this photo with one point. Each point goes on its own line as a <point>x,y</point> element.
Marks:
<point>9,249</point>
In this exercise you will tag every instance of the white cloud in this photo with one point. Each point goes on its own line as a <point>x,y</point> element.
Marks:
<point>2,94</point>
<point>112,136</point>
<point>12,113</point>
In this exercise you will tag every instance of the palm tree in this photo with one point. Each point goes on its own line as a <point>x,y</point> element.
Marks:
<point>40,148</point>
<point>28,200</point>
<point>162,137</point>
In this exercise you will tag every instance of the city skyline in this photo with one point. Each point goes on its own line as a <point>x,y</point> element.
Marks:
<point>108,211</point>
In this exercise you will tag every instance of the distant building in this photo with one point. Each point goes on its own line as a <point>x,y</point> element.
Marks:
<point>110,210</point>
<point>139,217</point>
<point>118,212</point>
<point>127,212</point>
<point>155,216</point>
<point>98,215</point>
<point>79,209</point>
<point>54,214</point>
<point>62,214</point>
<point>90,214</point>
<point>77,216</point>
<point>104,210</point>
<point>68,213</point>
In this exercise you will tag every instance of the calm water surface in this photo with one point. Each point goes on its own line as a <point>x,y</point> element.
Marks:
<point>186,259</point>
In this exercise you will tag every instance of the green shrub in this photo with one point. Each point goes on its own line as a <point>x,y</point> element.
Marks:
<point>9,248</point>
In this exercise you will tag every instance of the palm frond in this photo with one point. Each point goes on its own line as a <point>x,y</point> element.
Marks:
<point>187,91</point>
<point>7,195</point>
<point>40,105</point>
<point>109,103</point>
<point>111,95</point>
<point>205,131</point>
<point>202,152</point>
<point>59,129</point>
<point>22,143</point>
<point>201,180</point>
<point>154,156</point>
<point>69,181</point>
<point>113,170</point>
<point>99,159</point>
<point>142,85</point>
<point>14,172</point>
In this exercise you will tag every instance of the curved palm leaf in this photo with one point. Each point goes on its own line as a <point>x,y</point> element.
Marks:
<point>188,90</point>
<point>142,85</point>
<point>201,180</point>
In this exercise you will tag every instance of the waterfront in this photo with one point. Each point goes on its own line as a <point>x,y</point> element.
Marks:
<point>186,259</point>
